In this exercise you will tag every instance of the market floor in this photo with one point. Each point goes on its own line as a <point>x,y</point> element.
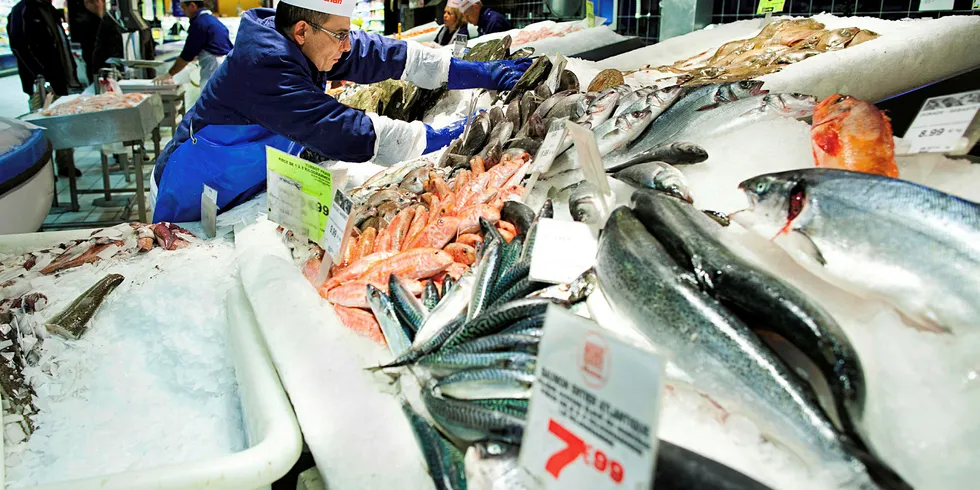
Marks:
<point>13,100</point>
<point>88,161</point>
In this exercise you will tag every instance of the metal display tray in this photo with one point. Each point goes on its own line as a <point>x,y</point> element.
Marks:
<point>97,128</point>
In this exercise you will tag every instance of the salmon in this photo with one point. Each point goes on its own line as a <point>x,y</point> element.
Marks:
<point>399,227</point>
<point>471,239</point>
<point>355,270</point>
<point>416,263</point>
<point>437,234</point>
<point>469,218</point>
<point>360,322</point>
<point>365,246</point>
<point>418,224</point>
<point>476,165</point>
<point>852,134</point>
<point>463,254</point>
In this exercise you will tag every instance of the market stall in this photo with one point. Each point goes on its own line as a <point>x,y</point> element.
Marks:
<point>805,281</point>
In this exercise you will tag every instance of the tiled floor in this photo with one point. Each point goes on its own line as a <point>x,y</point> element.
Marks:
<point>87,160</point>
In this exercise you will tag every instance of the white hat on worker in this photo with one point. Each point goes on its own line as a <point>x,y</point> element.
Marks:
<point>465,4</point>
<point>453,4</point>
<point>343,8</point>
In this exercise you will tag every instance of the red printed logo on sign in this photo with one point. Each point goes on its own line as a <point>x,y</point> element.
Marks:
<point>577,448</point>
<point>594,363</point>
<point>334,1</point>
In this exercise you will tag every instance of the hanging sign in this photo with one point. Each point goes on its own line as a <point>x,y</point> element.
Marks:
<point>592,420</point>
<point>562,251</point>
<point>459,45</point>
<point>770,6</point>
<point>299,193</point>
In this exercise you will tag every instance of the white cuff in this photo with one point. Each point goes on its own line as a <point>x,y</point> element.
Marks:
<point>426,67</point>
<point>396,141</point>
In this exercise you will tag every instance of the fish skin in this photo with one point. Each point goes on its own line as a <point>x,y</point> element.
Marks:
<point>408,308</point>
<point>366,243</point>
<point>657,176</point>
<point>471,423</point>
<point>517,214</point>
<point>677,153</point>
<point>360,322</point>
<point>416,263</point>
<point>758,297</point>
<point>512,405</point>
<point>509,278</point>
<point>534,75</point>
<point>572,106</point>
<point>351,294</point>
<point>721,355</point>
<point>453,304</point>
<point>600,109</point>
<point>626,102</point>
<point>486,275</point>
<point>462,253</point>
<point>507,342</point>
<point>582,203</point>
<point>531,325</point>
<point>442,364</point>
<point>852,134</point>
<point>868,234</point>
<point>356,269</point>
<point>392,175</point>
<point>72,322</point>
<point>478,135</point>
<point>400,226</point>
<point>384,312</point>
<point>469,217</point>
<point>437,234</point>
<point>497,318</point>
<point>444,461</point>
<point>430,295</point>
<point>447,285</point>
<point>494,466</point>
<point>481,384</point>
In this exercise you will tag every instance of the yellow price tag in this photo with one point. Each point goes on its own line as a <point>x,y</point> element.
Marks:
<point>299,193</point>
<point>590,13</point>
<point>770,6</point>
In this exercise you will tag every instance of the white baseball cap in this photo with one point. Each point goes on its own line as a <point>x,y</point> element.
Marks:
<point>463,4</point>
<point>343,8</point>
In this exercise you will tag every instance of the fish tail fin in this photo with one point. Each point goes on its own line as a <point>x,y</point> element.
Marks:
<point>879,471</point>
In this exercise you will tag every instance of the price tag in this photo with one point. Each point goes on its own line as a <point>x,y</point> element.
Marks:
<point>589,160</point>
<point>549,147</point>
<point>300,193</point>
<point>562,251</point>
<point>942,122</point>
<point>933,5</point>
<point>770,6</point>
<point>589,13</point>
<point>592,421</point>
<point>554,78</point>
<point>209,211</point>
<point>459,45</point>
<point>338,226</point>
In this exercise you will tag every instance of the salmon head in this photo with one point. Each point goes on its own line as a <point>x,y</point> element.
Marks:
<point>778,202</point>
<point>833,107</point>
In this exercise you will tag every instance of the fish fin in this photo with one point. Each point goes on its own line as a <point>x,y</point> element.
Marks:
<point>806,246</point>
<point>878,470</point>
<point>708,107</point>
<point>923,323</point>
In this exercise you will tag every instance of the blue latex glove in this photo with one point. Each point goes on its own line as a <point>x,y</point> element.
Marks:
<point>492,75</point>
<point>436,139</point>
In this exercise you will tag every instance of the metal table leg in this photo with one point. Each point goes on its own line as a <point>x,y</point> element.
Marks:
<point>138,151</point>
<point>72,180</point>
<point>105,201</point>
<point>156,141</point>
<point>54,175</point>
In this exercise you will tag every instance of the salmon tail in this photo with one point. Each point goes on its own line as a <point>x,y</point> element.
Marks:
<point>878,470</point>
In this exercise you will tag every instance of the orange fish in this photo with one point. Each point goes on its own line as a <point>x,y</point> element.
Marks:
<point>360,322</point>
<point>365,246</point>
<point>469,218</point>
<point>354,293</point>
<point>852,134</point>
<point>462,178</point>
<point>505,226</point>
<point>456,270</point>
<point>471,239</point>
<point>311,269</point>
<point>354,270</point>
<point>437,234</point>
<point>506,234</point>
<point>383,242</point>
<point>416,263</point>
<point>399,227</point>
<point>462,253</point>
<point>476,165</point>
<point>438,186</point>
<point>418,224</point>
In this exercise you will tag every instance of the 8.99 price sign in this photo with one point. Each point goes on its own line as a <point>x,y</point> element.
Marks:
<point>592,421</point>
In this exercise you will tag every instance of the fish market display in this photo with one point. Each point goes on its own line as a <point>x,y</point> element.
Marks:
<point>878,237</point>
<point>73,321</point>
<point>851,134</point>
<point>95,103</point>
<point>780,43</point>
<point>530,35</point>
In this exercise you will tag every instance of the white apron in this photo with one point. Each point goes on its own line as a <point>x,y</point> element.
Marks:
<point>209,62</point>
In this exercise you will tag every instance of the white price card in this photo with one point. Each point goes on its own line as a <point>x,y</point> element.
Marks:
<point>549,147</point>
<point>933,5</point>
<point>942,123</point>
<point>589,159</point>
<point>299,193</point>
<point>554,78</point>
<point>562,251</point>
<point>209,211</point>
<point>592,421</point>
<point>459,45</point>
<point>338,226</point>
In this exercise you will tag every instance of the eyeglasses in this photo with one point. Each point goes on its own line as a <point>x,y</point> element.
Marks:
<point>343,36</point>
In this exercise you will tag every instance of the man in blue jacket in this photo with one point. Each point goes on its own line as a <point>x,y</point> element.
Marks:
<point>207,40</point>
<point>487,21</point>
<point>270,92</point>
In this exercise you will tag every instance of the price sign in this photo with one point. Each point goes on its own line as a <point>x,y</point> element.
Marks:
<point>209,211</point>
<point>338,226</point>
<point>934,5</point>
<point>459,45</point>
<point>562,251</point>
<point>549,147</point>
<point>592,422</point>
<point>299,193</point>
<point>589,13</point>
<point>770,6</point>
<point>590,160</point>
<point>942,122</point>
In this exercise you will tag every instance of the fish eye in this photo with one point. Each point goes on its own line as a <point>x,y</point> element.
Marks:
<point>761,187</point>
<point>840,99</point>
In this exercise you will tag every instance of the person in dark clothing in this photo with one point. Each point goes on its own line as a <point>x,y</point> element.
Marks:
<point>108,39</point>
<point>83,25</point>
<point>487,21</point>
<point>207,40</point>
<point>41,46</point>
<point>452,24</point>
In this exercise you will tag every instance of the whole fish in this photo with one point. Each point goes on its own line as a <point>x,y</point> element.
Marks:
<point>494,466</point>
<point>501,342</point>
<point>568,81</point>
<point>626,101</point>
<point>453,305</point>
<point>851,134</point>
<point>582,203</point>
<point>600,109</point>
<point>610,136</point>
<point>442,364</point>
<point>868,234</point>
<point>572,106</point>
<point>658,176</point>
<point>384,312</point>
<point>445,462</point>
<point>486,275</point>
<point>721,355</point>
<point>657,101</point>
<point>481,384</point>
<point>517,214</point>
<point>497,318</point>
<point>408,308</point>
<point>522,288</point>
<point>72,322</point>
<point>508,404</point>
<point>477,135</point>
<point>758,297</point>
<point>535,74</point>
<point>470,423</point>
<point>679,153</point>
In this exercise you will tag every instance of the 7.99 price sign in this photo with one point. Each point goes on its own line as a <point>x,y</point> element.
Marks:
<point>593,415</point>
